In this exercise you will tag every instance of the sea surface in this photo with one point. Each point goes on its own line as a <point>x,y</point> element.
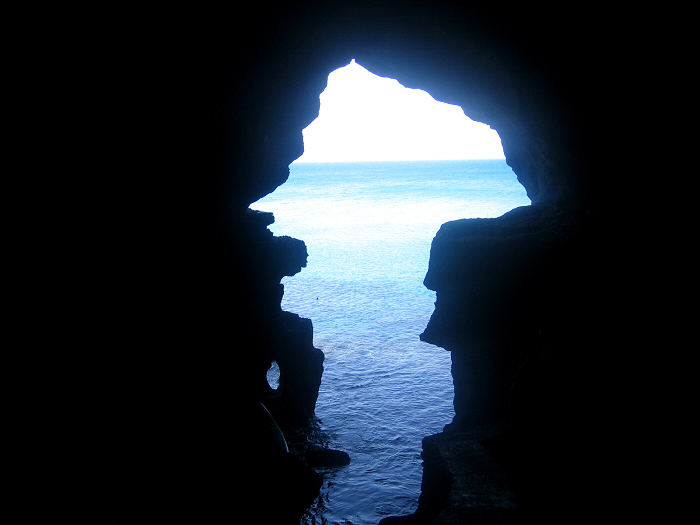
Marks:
<point>368,229</point>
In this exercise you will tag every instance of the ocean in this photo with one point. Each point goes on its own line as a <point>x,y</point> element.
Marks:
<point>368,228</point>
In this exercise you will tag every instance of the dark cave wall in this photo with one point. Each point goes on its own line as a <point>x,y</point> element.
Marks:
<point>457,57</point>
<point>519,71</point>
<point>527,300</point>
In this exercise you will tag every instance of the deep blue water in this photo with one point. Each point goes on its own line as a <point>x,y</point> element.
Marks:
<point>368,229</point>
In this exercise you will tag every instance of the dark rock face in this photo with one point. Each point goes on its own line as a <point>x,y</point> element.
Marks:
<point>287,339</point>
<point>499,302</point>
<point>531,305</point>
<point>518,306</point>
<point>326,457</point>
<point>301,367</point>
<point>278,336</point>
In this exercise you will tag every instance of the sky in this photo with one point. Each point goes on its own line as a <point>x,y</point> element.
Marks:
<point>365,117</point>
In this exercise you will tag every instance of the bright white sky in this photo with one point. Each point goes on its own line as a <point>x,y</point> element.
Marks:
<point>364,117</point>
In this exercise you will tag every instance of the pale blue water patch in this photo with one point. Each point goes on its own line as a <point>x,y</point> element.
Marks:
<point>368,229</point>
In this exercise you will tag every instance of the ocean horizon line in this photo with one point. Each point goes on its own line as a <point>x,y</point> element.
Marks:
<point>390,161</point>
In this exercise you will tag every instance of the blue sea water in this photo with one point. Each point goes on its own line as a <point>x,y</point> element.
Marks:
<point>368,228</point>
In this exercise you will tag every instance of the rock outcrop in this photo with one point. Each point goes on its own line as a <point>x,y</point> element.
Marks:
<point>287,339</point>
<point>500,298</point>
<point>283,337</point>
<point>519,308</point>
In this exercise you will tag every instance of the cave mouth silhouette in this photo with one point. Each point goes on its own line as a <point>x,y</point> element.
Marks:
<point>368,227</point>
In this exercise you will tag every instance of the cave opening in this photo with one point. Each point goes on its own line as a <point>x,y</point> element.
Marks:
<point>384,166</point>
<point>273,376</point>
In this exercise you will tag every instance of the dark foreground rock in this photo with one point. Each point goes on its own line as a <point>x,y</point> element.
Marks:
<point>277,484</point>
<point>523,305</point>
<point>462,483</point>
<point>326,457</point>
<point>301,367</point>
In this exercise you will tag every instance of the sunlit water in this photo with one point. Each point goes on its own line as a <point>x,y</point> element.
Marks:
<point>368,229</point>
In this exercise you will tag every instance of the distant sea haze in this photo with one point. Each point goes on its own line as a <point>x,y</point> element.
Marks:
<point>368,227</point>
